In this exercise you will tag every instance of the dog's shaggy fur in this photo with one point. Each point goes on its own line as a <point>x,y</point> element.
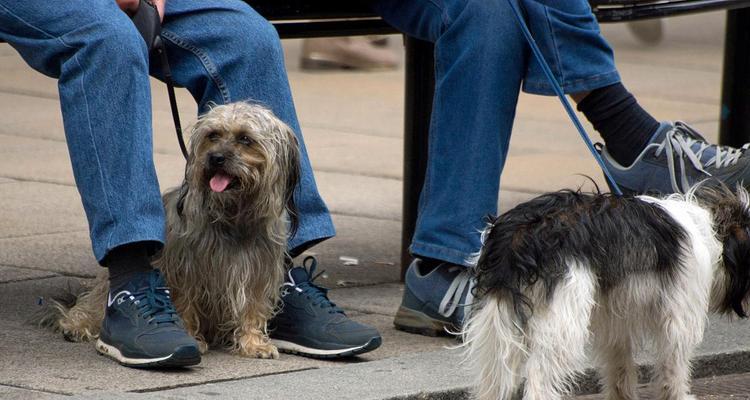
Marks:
<point>227,228</point>
<point>565,264</point>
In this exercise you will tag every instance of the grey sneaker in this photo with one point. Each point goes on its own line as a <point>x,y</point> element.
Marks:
<point>676,158</point>
<point>435,303</point>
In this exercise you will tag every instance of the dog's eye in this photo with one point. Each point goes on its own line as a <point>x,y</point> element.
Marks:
<point>244,140</point>
<point>213,136</point>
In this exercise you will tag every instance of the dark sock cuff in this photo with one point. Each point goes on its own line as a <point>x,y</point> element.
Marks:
<point>623,124</point>
<point>127,261</point>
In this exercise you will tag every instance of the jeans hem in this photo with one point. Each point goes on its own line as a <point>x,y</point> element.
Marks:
<point>100,252</point>
<point>441,253</point>
<point>544,88</point>
<point>308,238</point>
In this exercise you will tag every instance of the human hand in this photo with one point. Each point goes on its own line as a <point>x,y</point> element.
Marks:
<point>160,8</point>
<point>129,6</point>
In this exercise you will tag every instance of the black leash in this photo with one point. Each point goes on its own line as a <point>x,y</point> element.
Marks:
<point>148,23</point>
<point>167,72</point>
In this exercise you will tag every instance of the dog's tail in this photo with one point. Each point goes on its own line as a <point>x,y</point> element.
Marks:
<point>494,348</point>
<point>76,312</point>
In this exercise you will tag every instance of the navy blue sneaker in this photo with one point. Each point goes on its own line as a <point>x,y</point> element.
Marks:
<point>142,329</point>
<point>676,158</point>
<point>436,302</point>
<point>309,324</point>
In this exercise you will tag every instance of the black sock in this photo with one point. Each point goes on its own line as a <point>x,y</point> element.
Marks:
<point>428,265</point>
<point>625,127</point>
<point>126,262</point>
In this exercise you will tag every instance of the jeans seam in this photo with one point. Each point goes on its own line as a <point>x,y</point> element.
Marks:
<point>556,52</point>
<point>446,19</point>
<point>30,25</point>
<point>96,151</point>
<point>202,56</point>
<point>430,150</point>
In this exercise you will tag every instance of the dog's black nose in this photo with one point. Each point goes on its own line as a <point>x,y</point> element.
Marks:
<point>216,160</point>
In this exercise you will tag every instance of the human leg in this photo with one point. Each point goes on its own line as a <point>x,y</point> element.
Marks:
<point>100,62</point>
<point>642,155</point>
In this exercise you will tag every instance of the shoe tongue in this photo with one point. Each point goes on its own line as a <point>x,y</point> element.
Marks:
<point>708,152</point>
<point>299,275</point>
<point>219,182</point>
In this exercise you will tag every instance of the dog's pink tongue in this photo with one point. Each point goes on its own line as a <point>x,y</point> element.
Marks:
<point>219,182</point>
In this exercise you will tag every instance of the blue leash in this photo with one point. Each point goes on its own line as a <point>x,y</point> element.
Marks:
<point>564,100</point>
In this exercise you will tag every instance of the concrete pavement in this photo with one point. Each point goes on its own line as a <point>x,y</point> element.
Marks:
<point>353,128</point>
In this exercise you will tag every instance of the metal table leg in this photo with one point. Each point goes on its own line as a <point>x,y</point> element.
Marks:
<point>420,90</point>
<point>735,92</point>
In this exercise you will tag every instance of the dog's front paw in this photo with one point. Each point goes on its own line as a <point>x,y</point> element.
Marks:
<point>77,336</point>
<point>202,345</point>
<point>78,330</point>
<point>265,351</point>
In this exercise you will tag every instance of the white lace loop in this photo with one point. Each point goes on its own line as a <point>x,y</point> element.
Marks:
<point>452,298</point>
<point>678,144</point>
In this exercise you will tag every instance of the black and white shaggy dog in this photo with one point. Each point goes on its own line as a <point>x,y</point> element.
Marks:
<point>568,267</point>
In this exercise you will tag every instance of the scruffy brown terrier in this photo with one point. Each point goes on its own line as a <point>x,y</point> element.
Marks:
<point>227,227</point>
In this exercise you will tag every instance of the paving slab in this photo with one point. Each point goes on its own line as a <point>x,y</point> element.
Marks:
<point>360,102</point>
<point>21,157</point>
<point>532,108</point>
<point>353,153</point>
<point>31,208</point>
<point>13,393</point>
<point>14,274</point>
<point>662,82</point>
<point>67,253</point>
<point>374,243</point>
<point>382,299</point>
<point>361,195</point>
<point>550,172</point>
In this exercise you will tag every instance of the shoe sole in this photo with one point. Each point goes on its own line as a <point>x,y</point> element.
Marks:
<point>413,321</point>
<point>184,356</point>
<point>294,348</point>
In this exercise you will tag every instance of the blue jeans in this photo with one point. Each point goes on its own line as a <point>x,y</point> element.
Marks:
<point>220,50</point>
<point>481,61</point>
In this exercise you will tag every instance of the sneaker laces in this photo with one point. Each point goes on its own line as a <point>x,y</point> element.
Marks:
<point>679,143</point>
<point>153,302</point>
<point>452,298</point>
<point>318,295</point>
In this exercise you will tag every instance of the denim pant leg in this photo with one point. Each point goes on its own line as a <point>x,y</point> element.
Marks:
<point>100,62</point>
<point>481,59</point>
<point>568,35</point>
<point>223,51</point>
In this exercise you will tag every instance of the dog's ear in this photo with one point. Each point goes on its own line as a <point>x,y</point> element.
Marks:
<point>181,197</point>
<point>736,257</point>
<point>292,179</point>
